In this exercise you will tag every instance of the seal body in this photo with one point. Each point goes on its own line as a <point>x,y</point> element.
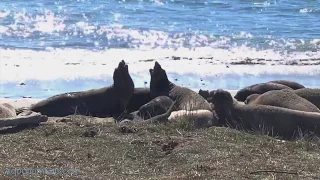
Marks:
<point>198,118</point>
<point>274,121</point>
<point>156,106</point>
<point>293,85</point>
<point>7,111</point>
<point>258,89</point>
<point>251,98</point>
<point>186,98</point>
<point>312,95</point>
<point>282,98</point>
<point>140,97</point>
<point>161,118</point>
<point>103,102</point>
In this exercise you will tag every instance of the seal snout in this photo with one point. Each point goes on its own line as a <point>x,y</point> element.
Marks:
<point>122,64</point>
<point>157,65</point>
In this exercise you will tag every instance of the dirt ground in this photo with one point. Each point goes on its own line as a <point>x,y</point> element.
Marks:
<point>82,148</point>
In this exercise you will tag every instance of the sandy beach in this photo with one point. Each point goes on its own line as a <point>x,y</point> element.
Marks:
<point>18,103</point>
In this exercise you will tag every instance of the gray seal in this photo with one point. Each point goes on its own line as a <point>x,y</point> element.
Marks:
<point>312,95</point>
<point>291,84</point>
<point>258,89</point>
<point>156,106</point>
<point>7,111</point>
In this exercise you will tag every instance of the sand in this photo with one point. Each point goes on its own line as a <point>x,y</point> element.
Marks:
<point>18,103</point>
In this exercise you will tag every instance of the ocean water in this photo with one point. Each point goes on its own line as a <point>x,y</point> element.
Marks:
<point>55,46</point>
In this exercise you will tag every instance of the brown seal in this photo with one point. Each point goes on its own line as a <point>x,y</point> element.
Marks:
<point>186,98</point>
<point>272,120</point>
<point>282,98</point>
<point>251,98</point>
<point>312,95</point>
<point>103,102</point>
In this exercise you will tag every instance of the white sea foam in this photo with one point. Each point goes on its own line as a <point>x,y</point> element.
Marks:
<point>305,10</point>
<point>4,14</point>
<point>68,64</point>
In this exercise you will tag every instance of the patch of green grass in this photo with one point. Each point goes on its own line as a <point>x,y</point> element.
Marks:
<point>172,151</point>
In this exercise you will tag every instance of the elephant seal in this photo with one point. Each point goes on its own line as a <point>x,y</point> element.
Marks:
<point>186,98</point>
<point>140,97</point>
<point>204,93</point>
<point>7,111</point>
<point>198,118</point>
<point>258,89</point>
<point>251,98</point>
<point>156,106</point>
<point>272,120</point>
<point>9,116</point>
<point>103,102</point>
<point>291,84</point>
<point>162,118</point>
<point>282,98</point>
<point>312,95</point>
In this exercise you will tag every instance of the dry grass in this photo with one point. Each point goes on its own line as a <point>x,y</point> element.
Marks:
<point>174,151</point>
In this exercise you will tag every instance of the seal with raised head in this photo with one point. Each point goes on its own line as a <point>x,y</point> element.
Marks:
<point>312,95</point>
<point>260,88</point>
<point>282,98</point>
<point>140,97</point>
<point>186,98</point>
<point>272,120</point>
<point>7,111</point>
<point>103,102</point>
<point>291,84</point>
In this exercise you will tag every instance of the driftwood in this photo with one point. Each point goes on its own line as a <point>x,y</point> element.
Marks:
<point>24,118</point>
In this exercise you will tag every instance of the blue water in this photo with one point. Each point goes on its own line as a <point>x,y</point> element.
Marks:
<point>282,25</point>
<point>277,30</point>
